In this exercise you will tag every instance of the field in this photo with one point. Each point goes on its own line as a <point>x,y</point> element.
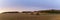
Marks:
<point>20,16</point>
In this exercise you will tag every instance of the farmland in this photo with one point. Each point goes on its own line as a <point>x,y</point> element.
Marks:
<point>21,16</point>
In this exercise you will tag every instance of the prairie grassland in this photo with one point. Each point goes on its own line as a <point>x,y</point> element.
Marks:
<point>20,16</point>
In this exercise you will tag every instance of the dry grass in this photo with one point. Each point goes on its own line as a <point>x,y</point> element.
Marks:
<point>19,16</point>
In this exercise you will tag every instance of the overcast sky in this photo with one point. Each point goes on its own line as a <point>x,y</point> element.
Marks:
<point>28,5</point>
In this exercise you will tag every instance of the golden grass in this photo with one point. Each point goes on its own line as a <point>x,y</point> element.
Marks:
<point>19,16</point>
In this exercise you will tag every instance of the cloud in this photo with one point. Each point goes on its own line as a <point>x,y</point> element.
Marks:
<point>32,4</point>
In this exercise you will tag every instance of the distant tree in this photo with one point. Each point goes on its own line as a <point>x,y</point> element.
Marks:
<point>11,12</point>
<point>37,13</point>
<point>51,11</point>
<point>28,12</point>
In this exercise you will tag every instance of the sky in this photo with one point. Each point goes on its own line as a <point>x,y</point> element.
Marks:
<point>28,5</point>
